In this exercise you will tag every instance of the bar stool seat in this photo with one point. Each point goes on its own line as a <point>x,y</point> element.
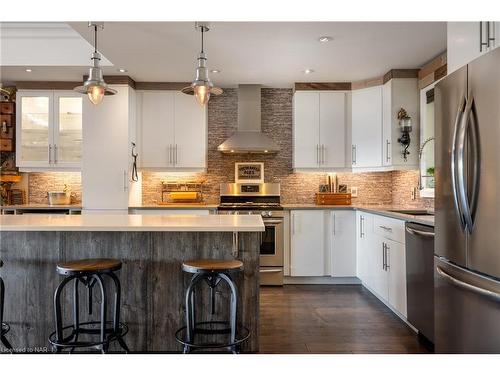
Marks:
<point>88,265</point>
<point>211,265</point>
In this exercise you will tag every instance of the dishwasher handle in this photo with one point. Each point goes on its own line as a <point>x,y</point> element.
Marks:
<point>417,232</point>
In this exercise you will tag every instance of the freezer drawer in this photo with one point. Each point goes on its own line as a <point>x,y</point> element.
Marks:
<point>467,310</point>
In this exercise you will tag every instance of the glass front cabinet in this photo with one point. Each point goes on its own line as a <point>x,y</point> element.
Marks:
<point>49,130</point>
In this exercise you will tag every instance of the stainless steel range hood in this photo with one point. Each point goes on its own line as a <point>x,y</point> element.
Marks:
<point>249,137</point>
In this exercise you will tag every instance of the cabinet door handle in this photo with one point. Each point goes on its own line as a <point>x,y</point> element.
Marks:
<point>388,229</point>
<point>50,154</point>
<point>334,224</point>
<point>383,256</point>
<point>387,254</point>
<point>491,35</point>
<point>361,229</point>
<point>481,43</point>
<point>323,148</point>
<point>387,150</point>
<point>353,154</point>
<point>124,180</point>
<point>55,154</point>
<point>175,158</point>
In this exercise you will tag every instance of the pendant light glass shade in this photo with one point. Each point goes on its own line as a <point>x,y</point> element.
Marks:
<point>202,87</point>
<point>94,86</point>
<point>202,94</point>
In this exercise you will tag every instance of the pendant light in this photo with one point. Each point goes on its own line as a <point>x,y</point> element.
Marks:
<point>94,86</point>
<point>202,87</point>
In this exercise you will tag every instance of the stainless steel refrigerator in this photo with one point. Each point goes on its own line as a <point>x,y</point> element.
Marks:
<point>467,239</point>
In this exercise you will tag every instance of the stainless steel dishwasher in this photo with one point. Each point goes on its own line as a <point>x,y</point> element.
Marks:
<point>420,278</point>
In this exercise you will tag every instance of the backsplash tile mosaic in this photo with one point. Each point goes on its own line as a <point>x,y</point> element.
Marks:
<point>377,188</point>
<point>40,183</point>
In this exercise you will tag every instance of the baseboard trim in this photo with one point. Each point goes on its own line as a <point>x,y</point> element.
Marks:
<point>326,280</point>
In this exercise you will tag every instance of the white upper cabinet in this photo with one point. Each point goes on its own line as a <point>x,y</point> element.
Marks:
<point>308,250</point>
<point>319,130</point>
<point>172,131</point>
<point>367,128</point>
<point>332,129</point>
<point>190,132</point>
<point>468,40</point>
<point>49,130</point>
<point>306,130</point>
<point>157,129</point>
<point>400,93</point>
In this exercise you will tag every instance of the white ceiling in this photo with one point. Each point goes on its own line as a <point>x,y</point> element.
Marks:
<point>30,44</point>
<point>268,53</point>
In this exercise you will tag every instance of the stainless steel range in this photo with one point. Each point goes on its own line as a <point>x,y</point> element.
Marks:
<point>260,199</point>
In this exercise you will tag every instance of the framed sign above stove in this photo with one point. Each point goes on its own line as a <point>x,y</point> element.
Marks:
<point>249,173</point>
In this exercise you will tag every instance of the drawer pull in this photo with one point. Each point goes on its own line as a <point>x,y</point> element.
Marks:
<point>385,228</point>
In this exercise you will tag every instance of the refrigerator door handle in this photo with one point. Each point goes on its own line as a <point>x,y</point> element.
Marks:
<point>453,164</point>
<point>461,168</point>
<point>471,126</point>
<point>467,286</point>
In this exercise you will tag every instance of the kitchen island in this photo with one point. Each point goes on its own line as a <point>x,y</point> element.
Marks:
<point>152,249</point>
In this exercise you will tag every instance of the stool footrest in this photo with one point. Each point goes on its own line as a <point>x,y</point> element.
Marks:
<point>66,343</point>
<point>242,337</point>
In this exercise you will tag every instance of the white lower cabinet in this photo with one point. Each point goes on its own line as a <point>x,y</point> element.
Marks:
<point>382,259</point>
<point>364,236</point>
<point>343,243</point>
<point>396,265</point>
<point>308,253</point>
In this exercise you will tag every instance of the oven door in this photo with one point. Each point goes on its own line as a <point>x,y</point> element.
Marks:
<point>271,243</point>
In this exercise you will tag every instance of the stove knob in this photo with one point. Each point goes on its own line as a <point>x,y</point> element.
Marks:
<point>263,214</point>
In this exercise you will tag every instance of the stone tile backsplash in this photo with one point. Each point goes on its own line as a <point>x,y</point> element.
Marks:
<point>377,188</point>
<point>39,183</point>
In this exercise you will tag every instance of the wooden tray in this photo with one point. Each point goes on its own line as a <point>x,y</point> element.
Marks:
<point>340,199</point>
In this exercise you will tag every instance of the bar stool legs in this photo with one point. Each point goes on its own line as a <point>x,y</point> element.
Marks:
<point>4,327</point>
<point>106,335</point>
<point>193,328</point>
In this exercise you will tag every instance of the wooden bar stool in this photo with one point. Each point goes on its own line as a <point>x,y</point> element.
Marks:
<point>212,271</point>
<point>4,327</point>
<point>88,272</point>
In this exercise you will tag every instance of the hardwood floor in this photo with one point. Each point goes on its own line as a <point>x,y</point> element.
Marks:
<point>330,319</point>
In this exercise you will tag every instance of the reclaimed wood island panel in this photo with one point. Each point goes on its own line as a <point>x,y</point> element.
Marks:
<point>152,249</point>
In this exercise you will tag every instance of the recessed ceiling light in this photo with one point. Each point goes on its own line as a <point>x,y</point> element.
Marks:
<point>215,71</point>
<point>28,70</point>
<point>308,71</point>
<point>121,70</point>
<point>324,39</point>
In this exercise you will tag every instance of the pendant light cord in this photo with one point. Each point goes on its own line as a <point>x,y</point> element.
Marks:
<point>95,38</point>
<point>202,29</point>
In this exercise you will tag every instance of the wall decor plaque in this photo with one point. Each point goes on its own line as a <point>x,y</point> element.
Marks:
<point>249,173</point>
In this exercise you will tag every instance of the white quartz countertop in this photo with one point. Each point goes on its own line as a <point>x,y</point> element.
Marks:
<point>132,223</point>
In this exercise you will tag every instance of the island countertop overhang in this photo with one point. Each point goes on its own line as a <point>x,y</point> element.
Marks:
<point>133,223</point>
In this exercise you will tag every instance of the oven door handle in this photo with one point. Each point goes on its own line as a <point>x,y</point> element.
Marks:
<point>273,222</point>
<point>272,270</point>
